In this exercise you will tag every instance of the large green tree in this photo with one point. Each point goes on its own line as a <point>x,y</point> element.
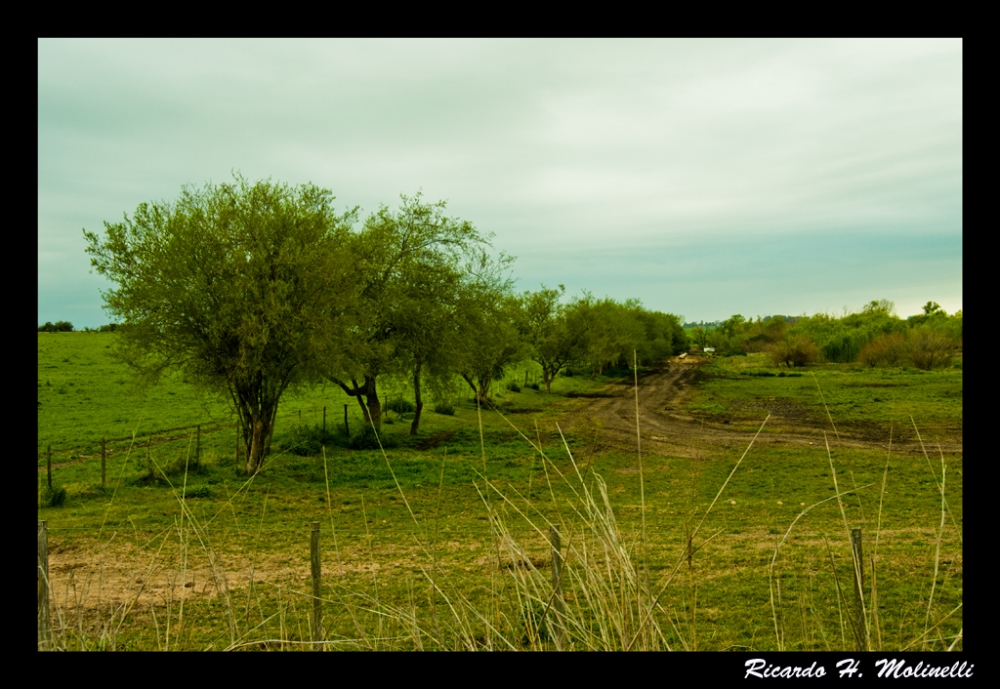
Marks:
<point>556,333</point>
<point>405,266</point>
<point>240,285</point>
<point>488,324</point>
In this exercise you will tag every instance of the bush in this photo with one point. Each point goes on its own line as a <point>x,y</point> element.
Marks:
<point>513,387</point>
<point>533,386</point>
<point>54,496</point>
<point>887,350</point>
<point>401,406</point>
<point>794,351</point>
<point>447,409</point>
<point>310,441</point>
<point>367,440</point>
<point>930,349</point>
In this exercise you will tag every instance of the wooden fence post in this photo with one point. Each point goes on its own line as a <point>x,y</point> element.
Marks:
<point>104,454</point>
<point>317,611</point>
<point>44,630</point>
<point>859,608</point>
<point>557,599</point>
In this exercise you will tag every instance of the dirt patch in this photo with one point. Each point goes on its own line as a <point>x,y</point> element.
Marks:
<point>609,417</point>
<point>432,441</point>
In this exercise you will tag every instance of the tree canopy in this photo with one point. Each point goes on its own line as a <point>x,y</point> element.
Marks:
<point>241,286</point>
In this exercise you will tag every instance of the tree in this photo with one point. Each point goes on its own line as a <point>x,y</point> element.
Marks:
<point>240,286</point>
<point>488,324</point>
<point>557,334</point>
<point>931,307</point>
<point>402,262</point>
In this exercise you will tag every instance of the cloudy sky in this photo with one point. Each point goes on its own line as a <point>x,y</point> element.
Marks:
<point>705,177</point>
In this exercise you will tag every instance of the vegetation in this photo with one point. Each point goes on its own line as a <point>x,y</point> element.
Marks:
<point>240,286</point>
<point>430,547</point>
<point>732,532</point>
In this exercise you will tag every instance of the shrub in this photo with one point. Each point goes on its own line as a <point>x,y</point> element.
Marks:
<point>533,386</point>
<point>310,441</point>
<point>447,409</point>
<point>367,440</point>
<point>54,496</point>
<point>401,406</point>
<point>887,350</point>
<point>794,351</point>
<point>930,349</point>
<point>513,386</point>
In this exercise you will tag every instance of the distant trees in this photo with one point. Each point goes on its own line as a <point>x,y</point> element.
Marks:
<point>57,327</point>
<point>875,335</point>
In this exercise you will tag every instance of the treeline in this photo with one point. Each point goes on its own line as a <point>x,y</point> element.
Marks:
<point>875,336</point>
<point>251,288</point>
<point>57,327</point>
<point>67,327</point>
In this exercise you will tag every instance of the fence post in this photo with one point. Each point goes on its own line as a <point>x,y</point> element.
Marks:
<point>48,465</point>
<point>859,609</point>
<point>317,611</point>
<point>44,631</point>
<point>347,431</point>
<point>104,454</point>
<point>557,599</point>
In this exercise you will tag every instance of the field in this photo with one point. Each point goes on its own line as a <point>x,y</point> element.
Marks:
<point>721,523</point>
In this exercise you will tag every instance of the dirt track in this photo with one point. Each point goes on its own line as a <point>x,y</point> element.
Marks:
<point>667,430</point>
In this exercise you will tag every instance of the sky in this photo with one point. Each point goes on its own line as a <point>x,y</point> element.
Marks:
<point>705,177</point>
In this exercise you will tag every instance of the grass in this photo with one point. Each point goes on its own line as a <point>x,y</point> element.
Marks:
<point>446,545</point>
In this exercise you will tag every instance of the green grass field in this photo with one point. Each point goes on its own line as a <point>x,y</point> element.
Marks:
<point>441,542</point>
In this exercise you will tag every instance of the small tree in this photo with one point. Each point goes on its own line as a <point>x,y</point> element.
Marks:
<point>241,286</point>
<point>930,349</point>
<point>886,350</point>
<point>556,334</point>
<point>797,350</point>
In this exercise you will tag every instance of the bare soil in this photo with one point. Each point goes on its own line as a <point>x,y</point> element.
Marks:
<point>666,429</point>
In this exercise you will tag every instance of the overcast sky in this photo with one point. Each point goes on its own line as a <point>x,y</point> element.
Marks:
<point>705,177</point>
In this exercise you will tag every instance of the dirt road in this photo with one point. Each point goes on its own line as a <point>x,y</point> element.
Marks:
<point>667,430</point>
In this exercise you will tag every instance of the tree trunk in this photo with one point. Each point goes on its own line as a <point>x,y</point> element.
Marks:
<point>482,397</point>
<point>371,408</point>
<point>418,403</point>
<point>258,431</point>
<point>372,402</point>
